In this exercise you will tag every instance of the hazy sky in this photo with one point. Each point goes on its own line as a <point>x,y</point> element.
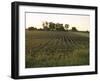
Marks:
<point>81,22</point>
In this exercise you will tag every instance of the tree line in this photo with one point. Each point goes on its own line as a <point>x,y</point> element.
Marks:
<point>51,26</point>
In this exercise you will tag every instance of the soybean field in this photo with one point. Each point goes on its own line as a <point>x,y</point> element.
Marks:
<point>56,48</point>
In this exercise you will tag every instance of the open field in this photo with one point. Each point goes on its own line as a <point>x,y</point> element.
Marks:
<point>56,48</point>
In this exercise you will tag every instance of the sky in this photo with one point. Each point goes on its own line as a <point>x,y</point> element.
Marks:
<point>81,22</point>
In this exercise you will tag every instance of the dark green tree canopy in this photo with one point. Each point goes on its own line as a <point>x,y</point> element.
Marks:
<point>74,29</point>
<point>32,28</point>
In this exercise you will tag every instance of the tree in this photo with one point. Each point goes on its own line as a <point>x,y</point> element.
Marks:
<point>40,29</point>
<point>66,26</point>
<point>45,25</point>
<point>62,27</point>
<point>59,27</point>
<point>74,29</point>
<point>32,28</point>
<point>51,26</point>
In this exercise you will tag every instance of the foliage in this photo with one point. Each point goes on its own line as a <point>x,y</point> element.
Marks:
<point>66,26</point>
<point>45,25</point>
<point>74,29</point>
<point>32,28</point>
<point>51,26</point>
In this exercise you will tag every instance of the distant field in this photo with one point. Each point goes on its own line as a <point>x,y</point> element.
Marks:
<point>56,48</point>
